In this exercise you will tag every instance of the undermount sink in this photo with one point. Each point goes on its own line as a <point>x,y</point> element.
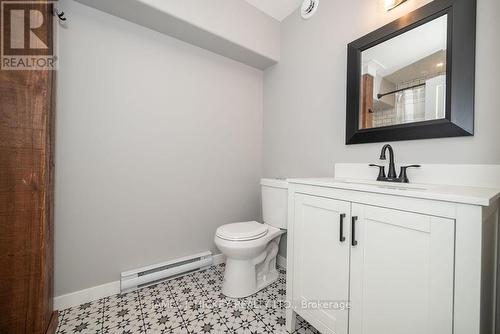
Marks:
<point>382,184</point>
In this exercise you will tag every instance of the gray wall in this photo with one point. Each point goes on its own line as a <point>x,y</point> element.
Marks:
<point>305,94</point>
<point>158,143</point>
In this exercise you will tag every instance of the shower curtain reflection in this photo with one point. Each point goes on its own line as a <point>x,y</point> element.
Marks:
<point>410,105</point>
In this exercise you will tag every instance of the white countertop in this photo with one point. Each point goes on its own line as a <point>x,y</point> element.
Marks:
<point>448,193</point>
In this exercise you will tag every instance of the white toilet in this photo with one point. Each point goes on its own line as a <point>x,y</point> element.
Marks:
<point>251,247</point>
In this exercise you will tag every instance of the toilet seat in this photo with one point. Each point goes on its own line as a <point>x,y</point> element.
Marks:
<point>244,231</point>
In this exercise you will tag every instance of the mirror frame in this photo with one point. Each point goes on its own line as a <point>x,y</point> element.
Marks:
<point>460,75</point>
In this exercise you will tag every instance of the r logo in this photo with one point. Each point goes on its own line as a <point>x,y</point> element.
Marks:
<point>27,35</point>
<point>26,28</point>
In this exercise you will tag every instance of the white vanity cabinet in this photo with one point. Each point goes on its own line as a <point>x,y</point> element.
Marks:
<point>322,257</point>
<point>401,273</point>
<point>373,260</point>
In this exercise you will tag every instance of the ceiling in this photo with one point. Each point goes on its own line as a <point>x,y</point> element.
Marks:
<point>421,69</point>
<point>278,9</point>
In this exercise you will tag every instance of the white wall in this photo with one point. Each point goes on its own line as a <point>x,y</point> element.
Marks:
<point>305,94</point>
<point>157,143</point>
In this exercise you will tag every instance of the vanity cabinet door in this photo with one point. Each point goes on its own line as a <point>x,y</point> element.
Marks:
<point>321,261</point>
<point>401,272</point>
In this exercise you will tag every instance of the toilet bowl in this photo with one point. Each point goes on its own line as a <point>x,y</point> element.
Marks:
<point>251,260</point>
<point>251,247</point>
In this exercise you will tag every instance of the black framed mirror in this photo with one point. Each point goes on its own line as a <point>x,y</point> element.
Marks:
<point>414,77</point>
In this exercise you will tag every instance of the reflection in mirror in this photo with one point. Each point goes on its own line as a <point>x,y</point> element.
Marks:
<point>403,79</point>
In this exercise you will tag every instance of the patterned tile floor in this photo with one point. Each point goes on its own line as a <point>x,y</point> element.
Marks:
<point>188,304</point>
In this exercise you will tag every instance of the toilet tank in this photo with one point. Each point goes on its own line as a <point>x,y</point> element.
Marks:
<point>275,202</point>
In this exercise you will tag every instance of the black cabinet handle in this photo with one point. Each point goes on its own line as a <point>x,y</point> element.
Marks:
<point>342,216</point>
<point>354,242</point>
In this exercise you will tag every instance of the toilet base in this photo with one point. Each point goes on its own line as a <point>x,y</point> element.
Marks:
<point>241,279</point>
<point>270,278</point>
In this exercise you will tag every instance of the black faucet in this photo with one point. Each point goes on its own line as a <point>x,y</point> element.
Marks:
<point>391,176</point>
<point>392,168</point>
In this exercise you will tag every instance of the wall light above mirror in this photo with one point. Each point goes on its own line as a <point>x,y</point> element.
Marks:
<point>391,4</point>
<point>414,78</point>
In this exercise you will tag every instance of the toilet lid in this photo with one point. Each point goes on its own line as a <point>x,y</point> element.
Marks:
<point>242,231</point>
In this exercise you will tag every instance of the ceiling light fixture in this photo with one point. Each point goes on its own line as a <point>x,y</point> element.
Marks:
<point>391,4</point>
<point>439,64</point>
<point>308,8</point>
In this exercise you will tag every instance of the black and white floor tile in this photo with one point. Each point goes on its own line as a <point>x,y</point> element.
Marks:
<point>188,304</point>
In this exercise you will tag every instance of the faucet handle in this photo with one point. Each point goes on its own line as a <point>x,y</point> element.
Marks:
<point>381,172</point>
<point>403,177</point>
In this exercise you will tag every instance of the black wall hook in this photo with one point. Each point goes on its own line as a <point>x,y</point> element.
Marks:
<point>59,14</point>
